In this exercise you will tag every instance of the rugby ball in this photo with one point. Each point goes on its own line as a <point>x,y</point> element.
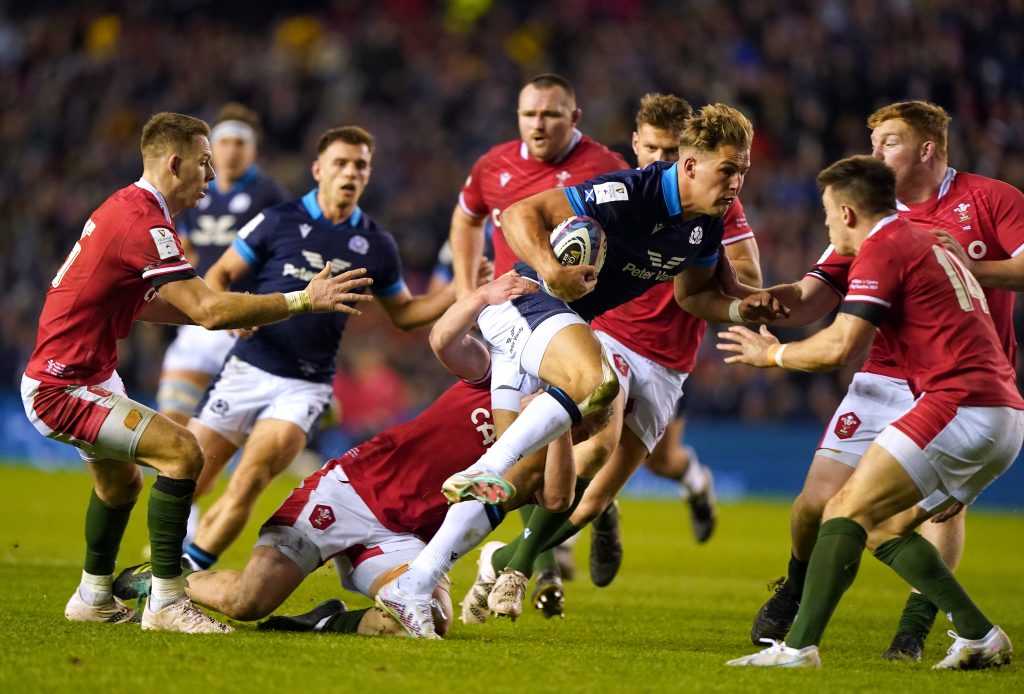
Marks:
<point>579,240</point>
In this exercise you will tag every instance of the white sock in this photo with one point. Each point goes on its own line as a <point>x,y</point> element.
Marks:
<point>464,527</point>
<point>95,590</point>
<point>166,591</point>
<point>539,424</point>
<point>694,479</point>
<point>192,526</point>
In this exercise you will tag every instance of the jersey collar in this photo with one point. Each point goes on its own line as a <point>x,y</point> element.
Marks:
<point>146,185</point>
<point>524,151</point>
<point>670,190</point>
<point>313,208</point>
<point>947,181</point>
<point>882,222</point>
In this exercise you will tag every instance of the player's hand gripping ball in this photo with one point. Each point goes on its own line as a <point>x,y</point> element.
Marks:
<point>579,240</point>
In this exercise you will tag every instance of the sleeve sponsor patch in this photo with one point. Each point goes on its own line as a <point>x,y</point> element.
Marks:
<point>863,285</point>
<point>166,247</point>
<point>610,192</point>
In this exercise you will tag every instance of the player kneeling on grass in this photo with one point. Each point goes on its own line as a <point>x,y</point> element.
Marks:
<point>371,510</point>
<point>963,431</point>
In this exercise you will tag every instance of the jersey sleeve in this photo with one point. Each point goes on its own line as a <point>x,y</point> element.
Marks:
<point>606,198</point>
<point>1008,214</point>
<point>736,226</point>
<point>471,197</point>
<point>832,269</point>
<point>154,252</point>
<point>875,282</point>
<point>387,280</point>
<point>253,240</point>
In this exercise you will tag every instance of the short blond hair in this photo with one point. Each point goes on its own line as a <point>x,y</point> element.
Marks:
<point>717,125</point>
<point>167,132</point>
<point>663,111</point>
<point>928,121</point>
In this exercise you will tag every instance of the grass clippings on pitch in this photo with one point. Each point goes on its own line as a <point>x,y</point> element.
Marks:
<point>674,615</point>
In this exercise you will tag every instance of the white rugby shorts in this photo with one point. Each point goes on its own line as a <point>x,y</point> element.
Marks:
<point>100,420</point>
<point>517,350</point>
<point>331,521</point>
<point>651,390</point>
<point>871,404</point>
<point>962,456</point>
<point>244,394</point>
<point>197,349</point>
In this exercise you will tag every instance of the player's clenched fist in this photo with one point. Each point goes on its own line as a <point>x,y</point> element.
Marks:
<point>571,282</point>
<point>326,293</point>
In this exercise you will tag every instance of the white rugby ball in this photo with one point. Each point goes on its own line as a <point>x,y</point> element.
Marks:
<point>579,240</point>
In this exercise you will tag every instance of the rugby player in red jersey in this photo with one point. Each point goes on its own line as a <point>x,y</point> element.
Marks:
<point>128,265</point>
<point>967,211</point>
<point>551,153</point>
<point>962,431</point>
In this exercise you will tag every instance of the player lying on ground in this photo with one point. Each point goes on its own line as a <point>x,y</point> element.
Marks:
<point>963,431</point>
<point>372,509</point>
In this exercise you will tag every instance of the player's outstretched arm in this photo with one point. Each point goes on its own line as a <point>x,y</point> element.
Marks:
<point>745,258</point>
<point>216,310</point>
<point>828,349</point>
<point>698,290</point>
<point>462,354</point>
<point>527,226</point>
<point>466,236</point>
<point>808,300</point>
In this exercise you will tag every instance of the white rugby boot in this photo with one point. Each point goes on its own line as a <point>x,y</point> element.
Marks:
<point>412,611</point>
<point>183,617</point>
<point>780,655</point>
<point>111,612</point>
<point>474,604</point>
<point>994,650</point>
<point>506,598</point>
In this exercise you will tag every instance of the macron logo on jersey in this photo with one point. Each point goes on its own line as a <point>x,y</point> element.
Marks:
<point>304,229</point>
<point>504,178</point>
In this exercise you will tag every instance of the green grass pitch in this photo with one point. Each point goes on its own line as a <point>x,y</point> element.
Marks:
<point>676,612</point>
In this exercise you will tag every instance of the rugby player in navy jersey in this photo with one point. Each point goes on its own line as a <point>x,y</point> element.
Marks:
<point>661,222</point>
<point>275,384</point>
<point>238,193</point>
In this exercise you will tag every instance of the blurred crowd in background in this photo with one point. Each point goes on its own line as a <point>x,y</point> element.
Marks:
<point>436,82</point>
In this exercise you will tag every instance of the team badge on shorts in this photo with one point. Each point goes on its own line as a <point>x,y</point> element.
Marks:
<point>322,517</point>
<point>220,407</point>
<point>847,425</point>
<point>621,365</point>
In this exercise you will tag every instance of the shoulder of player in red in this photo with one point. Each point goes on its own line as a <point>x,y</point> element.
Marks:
<point>737,228</point>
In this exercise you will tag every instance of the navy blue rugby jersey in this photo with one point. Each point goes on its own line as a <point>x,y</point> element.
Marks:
<point>289,244</point>
<point>648,239</point>
<point>212,226</point>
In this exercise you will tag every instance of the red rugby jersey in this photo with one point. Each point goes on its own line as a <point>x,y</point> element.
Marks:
<point>507,174</point>
<point>985,216</point>
<point>933,315</point>
<point>654,325</point>
<point>128,249</point>
<point>399,472</point>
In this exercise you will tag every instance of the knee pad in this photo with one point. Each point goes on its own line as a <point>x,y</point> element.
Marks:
<point>178,395</point>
